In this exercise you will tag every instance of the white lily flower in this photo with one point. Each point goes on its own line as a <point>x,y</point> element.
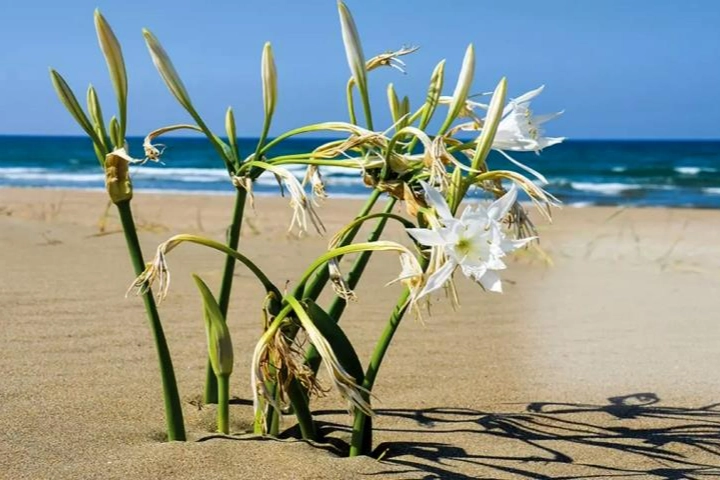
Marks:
<point>519,129</point>
<point>475,242</point>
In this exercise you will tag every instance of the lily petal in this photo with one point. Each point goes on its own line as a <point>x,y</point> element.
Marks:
<point>426,236</point>
<point>438,279</point>
<point>502,205</point>
<point>491,282</point>
<point>437,201</point>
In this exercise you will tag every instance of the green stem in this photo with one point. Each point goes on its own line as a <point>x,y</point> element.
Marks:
<point>299,402</point>
<point>171,398</point>
<point>316,286</point>
<point>359,444</point>
<point>223,408</point>
<point>337,307</point>
<point>233,238</point>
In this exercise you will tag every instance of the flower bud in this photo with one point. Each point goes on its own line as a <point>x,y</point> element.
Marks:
<point>116,65</point>
<point>269,81</point>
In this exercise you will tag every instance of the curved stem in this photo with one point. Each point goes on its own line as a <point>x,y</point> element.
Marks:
<point>337,307</point>
<point>233,239</point>
<point>315,287</point>
<point>171,398</point>
<point>351,100</point>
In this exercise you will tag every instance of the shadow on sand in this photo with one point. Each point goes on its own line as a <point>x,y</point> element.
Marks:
<point>631,436</point>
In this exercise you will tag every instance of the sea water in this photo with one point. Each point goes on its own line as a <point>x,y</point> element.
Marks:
<point>597,172</point>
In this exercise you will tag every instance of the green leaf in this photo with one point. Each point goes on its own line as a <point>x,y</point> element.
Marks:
<point>220,348</point>
<point>337,339</point>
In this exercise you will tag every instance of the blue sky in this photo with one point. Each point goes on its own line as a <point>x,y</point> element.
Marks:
<point>620,69</point>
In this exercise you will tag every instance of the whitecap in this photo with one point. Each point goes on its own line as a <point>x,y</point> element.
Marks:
<point>604,188</point>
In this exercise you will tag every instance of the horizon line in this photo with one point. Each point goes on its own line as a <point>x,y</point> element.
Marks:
<point>322,137</point>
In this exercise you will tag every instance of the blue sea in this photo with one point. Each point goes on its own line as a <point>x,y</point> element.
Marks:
<point>633,173</point>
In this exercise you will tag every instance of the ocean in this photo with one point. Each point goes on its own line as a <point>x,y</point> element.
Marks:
<point>581,173</point>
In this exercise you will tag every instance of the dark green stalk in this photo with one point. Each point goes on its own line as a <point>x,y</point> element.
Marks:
<point>359,444</point>
<point>299,402</point>
<point>233,238</point>
<point>337,307</point>
<point>171,398</point>
<point>223,409</point>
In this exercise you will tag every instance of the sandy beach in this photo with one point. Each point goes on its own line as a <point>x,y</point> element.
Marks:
<point>602,365</point>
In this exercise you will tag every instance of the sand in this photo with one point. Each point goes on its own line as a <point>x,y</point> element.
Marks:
<point>604,365</point>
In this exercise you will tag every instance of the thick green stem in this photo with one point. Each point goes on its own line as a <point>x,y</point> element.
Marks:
<point>359,444</point>
<point>315,287</point>
<point>337,307</point>
<point>171,398</point>
<point>223,408</point>
<point>233,238</point>
<point>299,402</point>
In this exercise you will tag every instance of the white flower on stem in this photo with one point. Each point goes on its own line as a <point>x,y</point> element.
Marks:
<point>475,242</point>
<point>519,130</point>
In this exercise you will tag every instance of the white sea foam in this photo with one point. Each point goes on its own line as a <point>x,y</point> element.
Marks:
<point>604,188</point>
<point>712,190</point>
<point>619,169</point>
<point>693,170</point>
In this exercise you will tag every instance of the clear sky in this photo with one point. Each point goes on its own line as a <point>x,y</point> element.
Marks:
<point>619,68</point>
